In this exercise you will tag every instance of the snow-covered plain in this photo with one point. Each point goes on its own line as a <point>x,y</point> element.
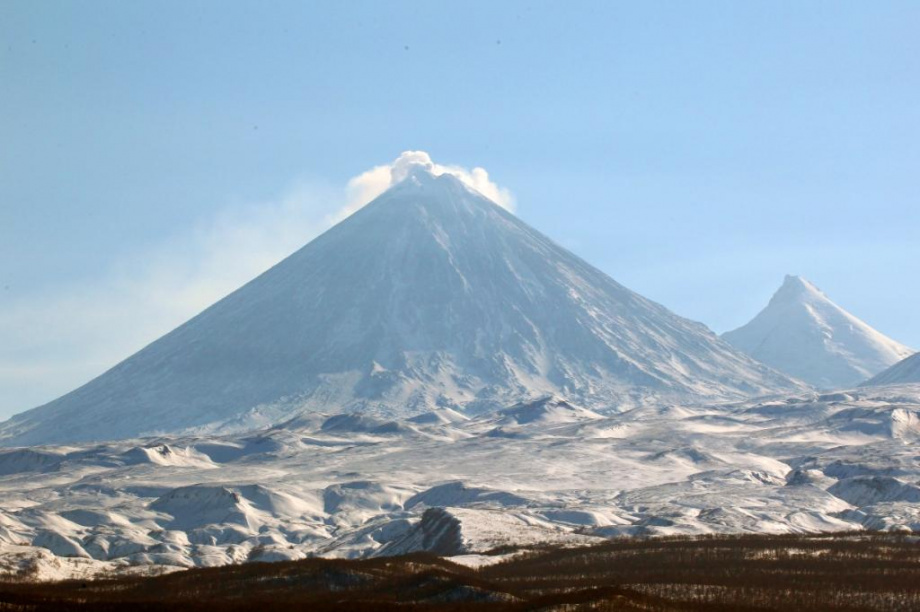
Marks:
<point>544,472</point>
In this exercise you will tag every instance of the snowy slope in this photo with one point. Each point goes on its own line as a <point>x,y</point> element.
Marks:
<point>800,463</point>
<point>905,371</point>
<point>803,333</point>
<point>429,296</point>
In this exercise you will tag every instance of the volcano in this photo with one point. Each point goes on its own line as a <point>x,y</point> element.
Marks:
<point>430,296</point>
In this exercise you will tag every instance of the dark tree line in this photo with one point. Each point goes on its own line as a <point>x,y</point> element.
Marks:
<point>851,572</point>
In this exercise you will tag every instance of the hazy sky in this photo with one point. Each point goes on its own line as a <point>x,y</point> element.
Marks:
<point>154,155</point>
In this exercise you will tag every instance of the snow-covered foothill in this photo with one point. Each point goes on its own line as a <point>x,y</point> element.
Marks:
<point>903,372</point>
<point>802,463</point>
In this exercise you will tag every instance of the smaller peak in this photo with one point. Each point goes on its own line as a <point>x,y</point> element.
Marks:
<point>796,287</point>
<point>796,280</point>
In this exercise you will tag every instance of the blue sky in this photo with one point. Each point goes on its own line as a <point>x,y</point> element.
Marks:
<point>155,154</point>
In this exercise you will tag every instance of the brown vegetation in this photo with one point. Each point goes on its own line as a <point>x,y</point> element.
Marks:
<point>851,573</point>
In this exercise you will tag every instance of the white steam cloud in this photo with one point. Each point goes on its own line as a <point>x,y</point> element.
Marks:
<point>60,337</point>
<point>368,185</point>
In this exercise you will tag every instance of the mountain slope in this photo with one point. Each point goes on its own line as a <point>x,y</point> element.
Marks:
<point>430,295</point>
<point>904,371</point>
<point>803,333</point>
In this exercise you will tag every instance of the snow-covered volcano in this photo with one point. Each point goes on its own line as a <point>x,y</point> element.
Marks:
<point>431,295</point>
<point>903,372</point>
<point>803,333</point>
